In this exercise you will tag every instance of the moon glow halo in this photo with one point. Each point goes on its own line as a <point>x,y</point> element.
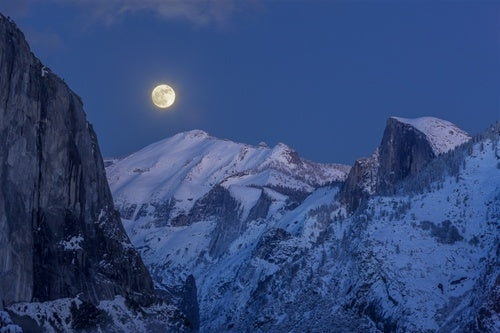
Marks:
<point>163,96</point>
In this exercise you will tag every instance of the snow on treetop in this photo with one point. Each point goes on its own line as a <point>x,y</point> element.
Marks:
<point>442,135</point>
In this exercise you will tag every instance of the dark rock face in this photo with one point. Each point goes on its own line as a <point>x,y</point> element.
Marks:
<point>361,182</point>
<point>403,152</point>
<point>189,304</point>
<point>220,204</point>
<point>269,244</point>
<point>59,233</point>
<point>261,208</point>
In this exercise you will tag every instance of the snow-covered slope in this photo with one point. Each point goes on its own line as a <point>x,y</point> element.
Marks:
<point>423,259</point>
<point>430,259</point>
<point>443,135</point>
<point>407,263</point>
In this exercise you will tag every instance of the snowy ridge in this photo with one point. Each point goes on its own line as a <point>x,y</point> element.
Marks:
<point>442,135</point>
<point>187,166</point>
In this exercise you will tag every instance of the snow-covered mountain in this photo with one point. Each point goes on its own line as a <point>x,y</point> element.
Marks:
<point>273,244</point>
<point>188,165</point>
<point>192,176</point>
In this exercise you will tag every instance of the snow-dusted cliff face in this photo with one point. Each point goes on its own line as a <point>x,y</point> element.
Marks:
<point>272,248</point>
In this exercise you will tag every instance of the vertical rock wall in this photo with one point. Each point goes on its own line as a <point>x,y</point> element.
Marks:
<point>403,151</point>
<point>59,233</point>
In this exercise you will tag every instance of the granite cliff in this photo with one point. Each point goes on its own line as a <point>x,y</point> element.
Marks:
<point>407,146</point>
<point>60,236</point>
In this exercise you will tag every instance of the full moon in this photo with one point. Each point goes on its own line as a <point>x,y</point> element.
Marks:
<point>163,96</point>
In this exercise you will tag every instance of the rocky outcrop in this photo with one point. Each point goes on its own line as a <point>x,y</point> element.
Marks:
<point>407,146</point>
<point>220,205</point>
<point>189,304</point>
<point>362,181</point>
<point>59,233</point>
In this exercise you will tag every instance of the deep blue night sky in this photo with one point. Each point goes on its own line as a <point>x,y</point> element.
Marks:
<point>320,76</point>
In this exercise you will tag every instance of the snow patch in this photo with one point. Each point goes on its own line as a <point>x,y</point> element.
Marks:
<point>72,244</point>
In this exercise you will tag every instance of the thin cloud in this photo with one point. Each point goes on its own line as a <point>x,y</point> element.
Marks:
<point>198,12</point>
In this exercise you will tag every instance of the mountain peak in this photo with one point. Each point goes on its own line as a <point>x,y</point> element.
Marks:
<point>196,133</point>
<point>442,135</point>
<point>407,146</point>
<point>282,153</point>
